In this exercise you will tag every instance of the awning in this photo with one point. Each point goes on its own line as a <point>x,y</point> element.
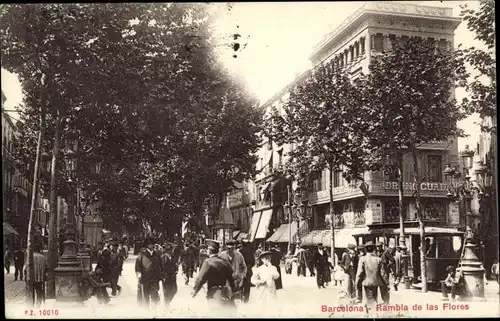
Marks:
<point>265,219</point>
<point>281,234</point>
<point>9,230</point>
<point>235,234</point>
<point>364,231</point>
<point>430,230</point>
<point>342,238</point>
<point>254,225</point>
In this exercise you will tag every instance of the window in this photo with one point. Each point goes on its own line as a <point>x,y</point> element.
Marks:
<point>391,211</point>
<point>362,43</point>
<point>433,209</point>
<point>356,46</point>
<point>392,40</point>
<point>336,178</point>
<point>316,184</point>
<point>280,157</point>
<point>443,44</point>
<point>351,51</point>
<point>378,43</point>
<point>434,168</point>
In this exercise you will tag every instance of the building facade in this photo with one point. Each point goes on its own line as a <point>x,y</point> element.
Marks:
<point>16,190</point>
<point>368,32</point>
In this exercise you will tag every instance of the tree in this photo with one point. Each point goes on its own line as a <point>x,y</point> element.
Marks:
<point>409,101</point>
<point>320,119</point>
<point>483,94</point>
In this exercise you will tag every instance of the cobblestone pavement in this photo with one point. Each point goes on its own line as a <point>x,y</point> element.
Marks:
<point>14,291</point>
<point>299,298</point>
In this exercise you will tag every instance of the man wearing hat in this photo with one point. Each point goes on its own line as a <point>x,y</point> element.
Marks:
<point>235,258</point>
<point>187,261</point>
<point>370,273</point>
<point>203,255</point>
<point>322,266</point>
<point>217,273</point>
<point>397,270</point>
<point>116,263</point>
<point>148,272</point>
<point>359,287</point>
<point>379,250</point>
<point>169,270</point>
<point>349,262</point>
<point>248,256</point>
<point>387,265</point>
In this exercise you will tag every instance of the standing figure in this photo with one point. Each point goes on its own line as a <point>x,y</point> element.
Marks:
<point>264,278</point>
<point>310,262</point>
<point>18,264</point>
<point>40,269</point>
<point>397,269</point>
<point>338,275</point>
<point>102,273</point>
<point>276,262</point>
<point>322,266</point>
<point>452,283</point>
<point>359,287</point>
<point>494,270</point>
<point>217,273</point>
<point>379,251</point>
<point>169,270</point>
<point>289,259</point>
<point>387,265</point>
<point>237,262</point>
<point>248,256</point>
<point>370,274</point>
<point>7,257</point>
<point>257,254</point>
<point>203,255</point>
<point>302,260</point>
<point>148,272</point>
<point>187,261</point>
<point>116,264</point>
<point>349,263</point>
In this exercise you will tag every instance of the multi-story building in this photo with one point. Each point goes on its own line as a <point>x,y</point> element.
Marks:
<point>364,35</point>
<point>17,190</point>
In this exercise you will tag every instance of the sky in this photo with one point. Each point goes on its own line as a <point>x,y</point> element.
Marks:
<point>279,37</point>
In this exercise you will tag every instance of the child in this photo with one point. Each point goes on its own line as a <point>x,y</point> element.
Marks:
<point>338,274</point>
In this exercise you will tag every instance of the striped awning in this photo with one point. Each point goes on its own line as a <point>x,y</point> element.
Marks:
<point>235,234</point>
<point>241,236</point>
<point>281,234</point>
<point>342,238</point>
<point>263,227</point>
<point>9,230</point>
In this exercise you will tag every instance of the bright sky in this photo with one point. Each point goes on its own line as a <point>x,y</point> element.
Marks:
<point>280,37</point>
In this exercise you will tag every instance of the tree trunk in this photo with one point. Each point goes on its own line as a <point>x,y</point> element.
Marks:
<point>402,239</point>
<point>53,244</point>
<point>30,298</point>
<point>332,218</point>
<point>416,179</point>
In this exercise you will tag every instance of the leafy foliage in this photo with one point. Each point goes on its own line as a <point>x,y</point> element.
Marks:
<point>482,92</point>
<point>142,87</point>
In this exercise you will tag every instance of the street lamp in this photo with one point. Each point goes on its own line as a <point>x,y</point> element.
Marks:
<point>464,189</point>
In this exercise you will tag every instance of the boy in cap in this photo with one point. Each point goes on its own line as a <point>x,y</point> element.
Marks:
<point>217,273</point>
<point>148,272</point>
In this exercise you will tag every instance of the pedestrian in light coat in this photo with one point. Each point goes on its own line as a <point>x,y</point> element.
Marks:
<point>264,278</point>
<point>148,272</point>
<point>370,274</point>
<point>237,262</point>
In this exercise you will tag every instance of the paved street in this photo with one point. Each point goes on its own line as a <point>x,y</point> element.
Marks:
<point>300,297</point>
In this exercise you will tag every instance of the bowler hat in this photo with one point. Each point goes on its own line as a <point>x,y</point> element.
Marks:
<point>230,244</point>
<point>351,247</point>
<point>265,253</point>
<point>212,243</point>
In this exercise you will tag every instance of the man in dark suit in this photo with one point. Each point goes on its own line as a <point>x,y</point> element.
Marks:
<point>276,261</point>
<point>370,273</point>
<point>217,273</point>
<point>18,263</point>
<point>320,259</point>
<point>169,270</point>
<point>148,271</point>
<point>349,263</point>
<point>387,265</point>
<point>248,257</point>
<point>359,288</point>
<point>116,264</point>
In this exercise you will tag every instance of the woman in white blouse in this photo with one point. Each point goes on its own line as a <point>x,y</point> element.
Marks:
<point>264,293</point>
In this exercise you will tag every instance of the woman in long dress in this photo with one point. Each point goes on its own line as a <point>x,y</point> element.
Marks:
<point>264,293</point>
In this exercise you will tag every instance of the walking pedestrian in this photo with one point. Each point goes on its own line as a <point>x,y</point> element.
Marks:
<point>289,259</point>
<point>338,275</point>
<point>302,260</point>
<point>102,275</point>
<point>116,265</point>
<point>264,278</point>
<point>397,270</point>
<point>148,272</point>
<point>39,274</point>
<point>276,262</point>
<point>169,270</point>
<point>310,262</point>
<point>387,265</point>
<point>379,251</point>
<point>203,255</point>
<point>349,263</point>
<point>237,262</point>
<point>370,274</point>
<point>7,257</point>
<point>248,257</point>
<point>217,273</point>
<point>361,251</point>
<point>187,261</point>
<point>18,263</point>
<point>322,266</point>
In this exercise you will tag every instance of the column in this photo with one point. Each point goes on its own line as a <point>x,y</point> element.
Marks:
<point>372,41</point>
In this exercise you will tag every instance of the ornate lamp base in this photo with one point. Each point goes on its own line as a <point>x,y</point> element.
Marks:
<point>473,272</point>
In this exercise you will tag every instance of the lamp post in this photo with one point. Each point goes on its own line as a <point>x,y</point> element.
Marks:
<point>460,187</point>
<point>295,212</point>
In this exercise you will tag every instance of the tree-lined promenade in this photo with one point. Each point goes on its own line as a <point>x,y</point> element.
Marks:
<point>141,88</point>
